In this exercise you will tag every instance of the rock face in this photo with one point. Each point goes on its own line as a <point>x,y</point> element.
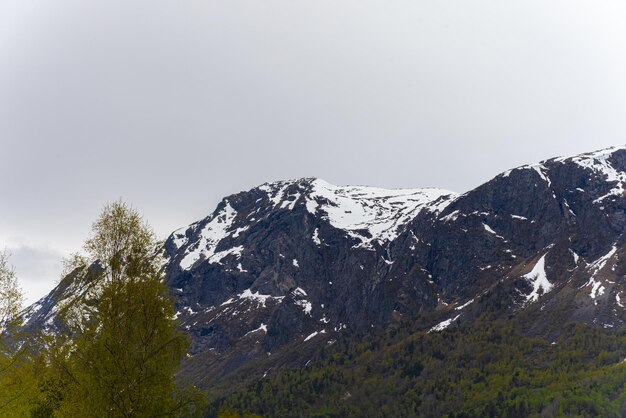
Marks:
<point>288,265</point>
<point>550,234</point>
<point>289,259</point>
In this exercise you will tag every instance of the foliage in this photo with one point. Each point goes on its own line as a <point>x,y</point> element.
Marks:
<point>122,242</point>
<point>123,357</point>
<point>16,376</point>
<point>475,371</point>
<point>72,262</point>
<point>10,292</point>
<point>119,346</point>
<point>125,362</point>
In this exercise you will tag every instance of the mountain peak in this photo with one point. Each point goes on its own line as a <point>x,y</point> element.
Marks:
<point>290,264</point>
<point>370,215</point>
<point>606,166</point>
<point>601,154</point>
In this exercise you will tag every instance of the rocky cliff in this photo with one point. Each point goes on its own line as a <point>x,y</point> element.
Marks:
<point>282,269</point>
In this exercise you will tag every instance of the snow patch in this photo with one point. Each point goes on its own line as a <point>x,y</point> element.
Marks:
<point>491,231</point>
<point>598,162</point>
<point>452,216</point>
<point>290,203</point>
<point>306,306</point>
<point>488,229</point>
<point>179,237</point>
<point>539,168</point>
<point>371,214</point>
<point>597,289</point>
<point>568,208</point>
<point>259,298</point>
<point>298,291</point>
<point>312,335</point>
<point>217,257</point>
<point>256,296</point>
<point>212,233</point>
<point>538,279</point>
<point>443,324</point>
<point>263,328</point>
<point>316,237</point>
<point>458,308</point>
<point>240,230</point>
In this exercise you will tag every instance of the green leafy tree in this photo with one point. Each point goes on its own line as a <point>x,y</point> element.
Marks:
<point>125,362</point>
<point>126,344</point>
<point>123,243</point>
<point>16,378</point>
<point>10,292</point>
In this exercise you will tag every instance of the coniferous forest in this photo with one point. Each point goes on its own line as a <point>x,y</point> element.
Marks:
<point>483,370</point>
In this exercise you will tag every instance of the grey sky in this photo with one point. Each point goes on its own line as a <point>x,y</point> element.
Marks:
<point>174,104</point>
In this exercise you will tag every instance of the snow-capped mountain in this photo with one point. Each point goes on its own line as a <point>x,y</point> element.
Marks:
<point>547,238</point>
<point>287,266</point>
<point>290,251</point>
<point>371,216</point>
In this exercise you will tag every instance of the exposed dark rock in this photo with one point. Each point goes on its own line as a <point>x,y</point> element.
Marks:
<point>286,266</point>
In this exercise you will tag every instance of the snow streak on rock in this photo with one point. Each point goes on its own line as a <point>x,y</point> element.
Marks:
<point>256,297</point>
<point>538,279</point>
<point>443,324</point>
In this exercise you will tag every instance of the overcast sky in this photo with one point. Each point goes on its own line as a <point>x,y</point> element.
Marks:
<point>173,104</point>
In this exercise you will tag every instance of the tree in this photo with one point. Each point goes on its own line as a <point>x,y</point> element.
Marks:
<point>123,243</point>
<point>16,378</point>
<point>125,362</point>
<point>10,292</point>
<point>128,347</point>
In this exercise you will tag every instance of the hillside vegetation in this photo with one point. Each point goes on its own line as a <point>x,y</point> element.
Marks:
<point>485,369</point>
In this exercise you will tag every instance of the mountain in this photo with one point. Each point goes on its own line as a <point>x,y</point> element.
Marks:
<point>279,272</point>
<point>547,239</point>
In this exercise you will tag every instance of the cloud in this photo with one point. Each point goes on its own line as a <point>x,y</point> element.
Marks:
<point>173,105</point>
<point>37,268</point>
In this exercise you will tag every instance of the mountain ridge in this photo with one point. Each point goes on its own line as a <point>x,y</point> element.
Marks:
<point>294,264</point>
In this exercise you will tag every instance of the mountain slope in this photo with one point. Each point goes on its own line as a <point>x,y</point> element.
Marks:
<point>280,271</point>
<point>550,235</point>
<point>294,261</point>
